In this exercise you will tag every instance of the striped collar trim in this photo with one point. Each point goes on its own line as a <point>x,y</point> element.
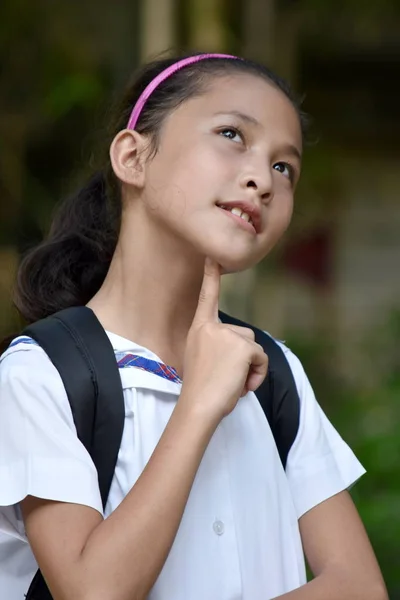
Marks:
<point>126,360</point>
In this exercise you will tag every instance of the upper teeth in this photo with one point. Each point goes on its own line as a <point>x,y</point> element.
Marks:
<point>239,213</point>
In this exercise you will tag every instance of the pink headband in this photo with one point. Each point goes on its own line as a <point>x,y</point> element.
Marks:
<point>145,95</point>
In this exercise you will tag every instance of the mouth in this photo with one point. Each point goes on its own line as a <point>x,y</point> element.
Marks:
<point>246,216</point>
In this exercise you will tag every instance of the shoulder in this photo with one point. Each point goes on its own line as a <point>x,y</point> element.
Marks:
<point>294,363</point>
<point>310,410</point>
<point>24,356</point>
<point>40,453</point>
<point>25,360</point>
<point>30,383</point>
<point>22,351</point>
<point>284,365</point>
<point>320,463</point>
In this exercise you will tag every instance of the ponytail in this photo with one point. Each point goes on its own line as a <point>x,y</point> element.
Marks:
<point>70,265</point>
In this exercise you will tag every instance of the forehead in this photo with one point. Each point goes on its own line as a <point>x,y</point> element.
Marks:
<point>248,94</point>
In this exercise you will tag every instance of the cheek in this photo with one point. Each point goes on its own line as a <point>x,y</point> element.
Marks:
<point>282,204</point>
<point>187,168</point>
<point>167,185</point>
<point>279,216</point>
<point>285,211</point>
<point>202,168</point>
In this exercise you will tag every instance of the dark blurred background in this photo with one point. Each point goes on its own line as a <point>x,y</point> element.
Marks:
<point>332,288</point>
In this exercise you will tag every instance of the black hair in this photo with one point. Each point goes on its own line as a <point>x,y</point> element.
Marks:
<point>70,265</point>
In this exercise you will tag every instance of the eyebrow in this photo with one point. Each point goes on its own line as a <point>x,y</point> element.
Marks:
<point>240,115</point>
<point>287,148</point>
<point>293,150</point>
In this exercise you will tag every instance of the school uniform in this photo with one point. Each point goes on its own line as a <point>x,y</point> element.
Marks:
<point>238,538</point>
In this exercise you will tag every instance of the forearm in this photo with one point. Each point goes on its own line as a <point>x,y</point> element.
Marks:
<point>124,555</point>
<point>338,585</point>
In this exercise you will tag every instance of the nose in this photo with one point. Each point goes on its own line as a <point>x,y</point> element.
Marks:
<point>261,182</point>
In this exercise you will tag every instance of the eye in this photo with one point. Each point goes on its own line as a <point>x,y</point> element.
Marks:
<point>286,169</point>
<point>232,133</point>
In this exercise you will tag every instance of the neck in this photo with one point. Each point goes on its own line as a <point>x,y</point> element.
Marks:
<point>151,291</point>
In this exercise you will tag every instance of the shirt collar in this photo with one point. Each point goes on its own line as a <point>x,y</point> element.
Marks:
<point>139,367</point>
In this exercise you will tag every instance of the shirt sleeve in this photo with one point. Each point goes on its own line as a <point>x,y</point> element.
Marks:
<point>40,453</point>
<point>320,464</point>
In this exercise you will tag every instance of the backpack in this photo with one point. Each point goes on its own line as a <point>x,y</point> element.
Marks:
<point>81,351</point>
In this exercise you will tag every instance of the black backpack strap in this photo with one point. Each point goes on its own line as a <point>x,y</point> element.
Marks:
<point>79,348</point>
<point>278,393</point>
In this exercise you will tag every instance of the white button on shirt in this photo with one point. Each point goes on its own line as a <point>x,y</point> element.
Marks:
<point>219,527</point>
<point>238,538</point>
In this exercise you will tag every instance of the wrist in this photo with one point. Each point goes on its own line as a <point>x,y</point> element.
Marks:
<point>196,415</point>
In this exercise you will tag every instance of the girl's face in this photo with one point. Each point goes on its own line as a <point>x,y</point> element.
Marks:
<point>236,147</point>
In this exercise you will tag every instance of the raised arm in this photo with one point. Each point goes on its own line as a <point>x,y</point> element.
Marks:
<point>83,557</point>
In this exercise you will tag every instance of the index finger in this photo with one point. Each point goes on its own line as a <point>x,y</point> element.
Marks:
<point>207,307</point>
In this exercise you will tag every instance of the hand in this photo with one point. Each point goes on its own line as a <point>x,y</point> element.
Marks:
<point>222,362</point>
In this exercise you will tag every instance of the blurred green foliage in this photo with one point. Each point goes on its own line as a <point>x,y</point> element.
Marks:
<point>368,419</point>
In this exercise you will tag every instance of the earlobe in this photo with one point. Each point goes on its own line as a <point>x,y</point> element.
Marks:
<point>127,157</point>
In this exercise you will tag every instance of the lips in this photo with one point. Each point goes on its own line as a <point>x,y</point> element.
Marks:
<point>247,211</point>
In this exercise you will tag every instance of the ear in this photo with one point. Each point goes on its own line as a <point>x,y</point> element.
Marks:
<point>127,157</point>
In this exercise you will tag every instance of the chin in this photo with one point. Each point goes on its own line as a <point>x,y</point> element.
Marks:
<point>234,264</point>
<point>232,256</point>
<point>237,261</point>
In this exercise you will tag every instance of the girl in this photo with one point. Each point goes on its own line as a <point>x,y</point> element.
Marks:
<point>202,169</point>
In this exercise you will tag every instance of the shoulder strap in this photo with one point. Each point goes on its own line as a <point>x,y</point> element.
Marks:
<point>79,348</point>
<point>277,394</point>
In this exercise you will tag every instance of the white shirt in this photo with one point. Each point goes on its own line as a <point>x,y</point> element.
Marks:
<point>238,538</point>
